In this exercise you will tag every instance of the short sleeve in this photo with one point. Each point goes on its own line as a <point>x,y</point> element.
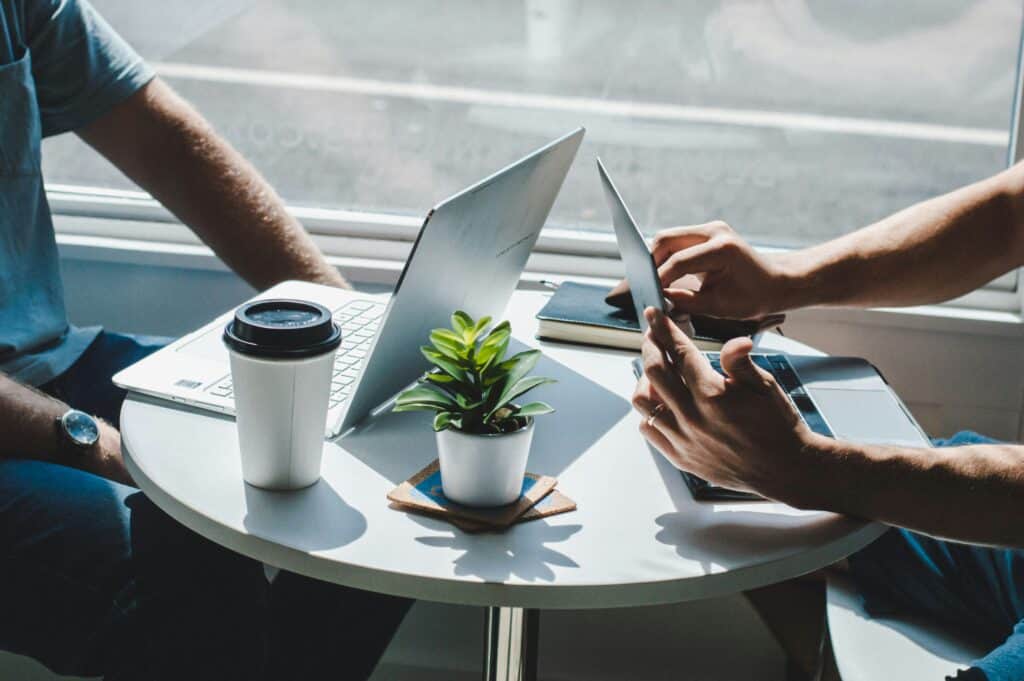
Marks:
<point>80,65</point>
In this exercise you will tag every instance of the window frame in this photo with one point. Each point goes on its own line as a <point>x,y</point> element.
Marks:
<point>386,238</point>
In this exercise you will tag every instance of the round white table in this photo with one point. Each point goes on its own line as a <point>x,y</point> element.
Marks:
<point>637,538</point>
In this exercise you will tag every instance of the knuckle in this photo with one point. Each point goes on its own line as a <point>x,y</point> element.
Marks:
<point>713,394</point>
<point>720,226</point>
<point>654,362</point>
<point>729,243</point>
<point>676,260</point>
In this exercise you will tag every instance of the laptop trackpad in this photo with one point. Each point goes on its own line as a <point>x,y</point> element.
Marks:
<point>870,416</point>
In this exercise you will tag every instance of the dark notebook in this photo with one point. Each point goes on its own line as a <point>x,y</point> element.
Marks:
<point>578,313</point>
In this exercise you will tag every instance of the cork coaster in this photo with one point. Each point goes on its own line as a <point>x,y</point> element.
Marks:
<point>554,503</point>
<point>422,492</point>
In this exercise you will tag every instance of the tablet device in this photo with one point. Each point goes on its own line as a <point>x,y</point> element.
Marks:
<point>641,272</point>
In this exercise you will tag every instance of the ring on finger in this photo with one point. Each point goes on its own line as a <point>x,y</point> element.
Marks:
<point>655,413</point>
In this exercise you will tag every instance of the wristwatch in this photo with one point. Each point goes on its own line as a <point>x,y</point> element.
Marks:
<point>77,431</point>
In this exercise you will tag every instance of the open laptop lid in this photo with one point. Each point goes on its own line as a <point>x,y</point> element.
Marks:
<point>641,272</point>
<point>469,255</point>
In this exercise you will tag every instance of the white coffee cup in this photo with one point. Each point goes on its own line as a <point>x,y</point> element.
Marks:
<point>282,357</point>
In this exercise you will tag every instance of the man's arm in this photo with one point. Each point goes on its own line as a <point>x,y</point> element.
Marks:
<point>934,251</point>
<point>168,149</point>
<point>28,419</point>
<point>930,252</point>
<point>971,493</point>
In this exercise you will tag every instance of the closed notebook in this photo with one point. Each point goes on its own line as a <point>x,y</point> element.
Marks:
<point>578,313</point>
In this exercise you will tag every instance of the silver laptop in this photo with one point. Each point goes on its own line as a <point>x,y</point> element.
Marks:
<point>469,255</point>
<point>841,397</point>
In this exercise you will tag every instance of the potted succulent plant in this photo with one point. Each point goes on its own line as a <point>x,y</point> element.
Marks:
<point>483,433</point>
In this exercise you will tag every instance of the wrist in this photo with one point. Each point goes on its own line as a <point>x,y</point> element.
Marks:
<point>105,459</point>
<point>795,283</point>
<point>816,483</point>
<point>77,436</point>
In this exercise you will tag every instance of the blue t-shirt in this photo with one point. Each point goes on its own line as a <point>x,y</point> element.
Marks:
<point>61,67</point>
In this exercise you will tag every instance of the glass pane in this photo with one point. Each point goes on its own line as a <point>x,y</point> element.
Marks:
<point>793,120</point>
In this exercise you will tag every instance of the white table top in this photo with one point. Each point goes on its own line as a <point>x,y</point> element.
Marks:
<point>637,538</point>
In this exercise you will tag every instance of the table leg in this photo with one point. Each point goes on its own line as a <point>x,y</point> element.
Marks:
<point>510,644</point>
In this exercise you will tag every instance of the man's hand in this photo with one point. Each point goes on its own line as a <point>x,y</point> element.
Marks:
<point>738,431</point>
<point>733,280</point>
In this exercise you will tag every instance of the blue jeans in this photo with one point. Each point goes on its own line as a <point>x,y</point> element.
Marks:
<point>975,590</point>
<point>95,580</point>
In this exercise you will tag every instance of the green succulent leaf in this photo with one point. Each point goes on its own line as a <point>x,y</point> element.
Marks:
<point>523,386</point>
<point>535,409</point>
<point>467,402</point>
<point>442,420</point>
<point>461,322</point>
<point>445,363</point>
<point>520,387</point>
<point>425,394</point>
<point>417,406</point>
<point>479,327</point>
<point>449,344</point>
<point>454,354</point>
<point>494,346</point>
<point>492,355</point>
<point>497,334</point>
<point>498,372</point>
<point>520,365</point>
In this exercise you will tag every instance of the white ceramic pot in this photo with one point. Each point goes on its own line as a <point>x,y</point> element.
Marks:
<point>483,470</point>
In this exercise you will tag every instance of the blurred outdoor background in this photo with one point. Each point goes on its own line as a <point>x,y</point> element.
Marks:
<point>793,120</point>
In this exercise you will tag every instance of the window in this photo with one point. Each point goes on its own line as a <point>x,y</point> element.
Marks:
<point>794,120</point>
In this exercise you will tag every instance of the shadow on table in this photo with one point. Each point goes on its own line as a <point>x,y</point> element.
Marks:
<point>731,537</point>
<point>398,445</point>
<point>729,534</point>
<point>312,519</point>
<point>521,552</point>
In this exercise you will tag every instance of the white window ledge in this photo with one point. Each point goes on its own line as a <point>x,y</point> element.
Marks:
<point>541,268</point>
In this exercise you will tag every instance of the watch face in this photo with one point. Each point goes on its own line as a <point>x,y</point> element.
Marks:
<point>81,428</point>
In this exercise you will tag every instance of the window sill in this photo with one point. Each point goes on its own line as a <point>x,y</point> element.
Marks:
<point>543,267</point>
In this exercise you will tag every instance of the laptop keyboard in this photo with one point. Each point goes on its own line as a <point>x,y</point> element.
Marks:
<point>359,321</point>
<point>779,367</point>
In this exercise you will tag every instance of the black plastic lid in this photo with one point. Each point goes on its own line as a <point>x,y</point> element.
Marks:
<point>282,328</point>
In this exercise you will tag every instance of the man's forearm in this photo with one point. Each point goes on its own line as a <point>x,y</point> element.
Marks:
<point>970,494</point>
<point>166,147</point>
<point>930,252</point>
<point>28,420</point>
